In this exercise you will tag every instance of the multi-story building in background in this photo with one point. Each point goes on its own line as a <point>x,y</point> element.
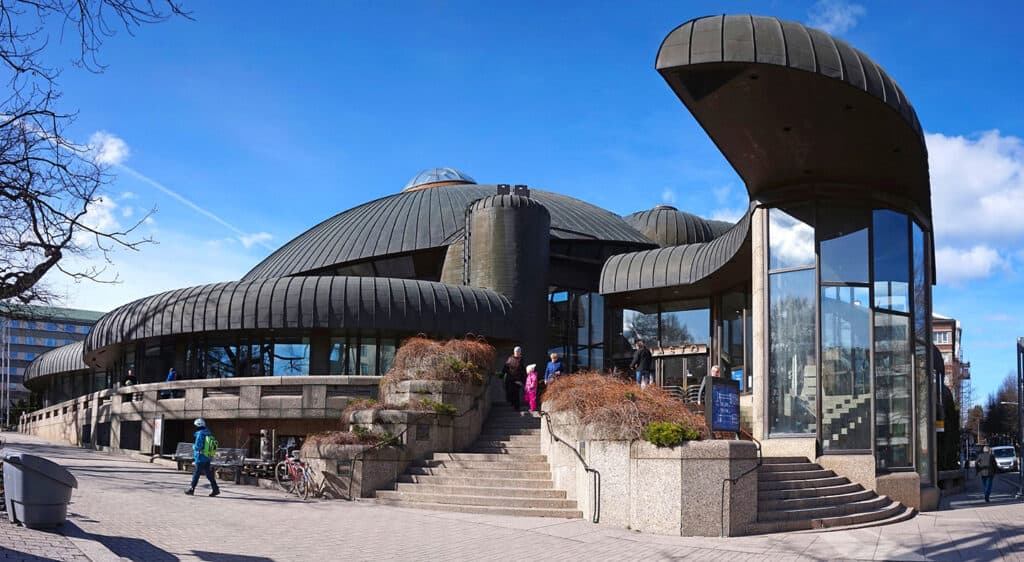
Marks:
<point>947,335</point>
<point>28,331</point>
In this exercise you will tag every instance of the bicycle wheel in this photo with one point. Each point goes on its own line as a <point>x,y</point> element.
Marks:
<point>282,477</point>
<point>309,486</point>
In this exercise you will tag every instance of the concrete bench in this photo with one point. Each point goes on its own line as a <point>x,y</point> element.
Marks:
<point>184,455</point>
<point>230,459</point>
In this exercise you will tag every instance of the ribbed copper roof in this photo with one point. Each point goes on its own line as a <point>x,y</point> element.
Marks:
<point>427,218</point>
<point>370,303</point>
<point>64,359</point>
<point>669,226</point>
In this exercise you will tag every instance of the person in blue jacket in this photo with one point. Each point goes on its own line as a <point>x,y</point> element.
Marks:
<point>202,461</point>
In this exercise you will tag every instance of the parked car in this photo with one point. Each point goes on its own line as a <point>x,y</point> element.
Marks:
<point>1006,457</point>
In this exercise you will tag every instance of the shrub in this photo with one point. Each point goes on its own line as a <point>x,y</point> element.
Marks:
<point>669,434</point>
<point>464,361</point>
<point>618,406</point>
<point>438,407</point>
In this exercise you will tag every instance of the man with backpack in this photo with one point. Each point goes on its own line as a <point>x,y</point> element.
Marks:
<point>204,448</point>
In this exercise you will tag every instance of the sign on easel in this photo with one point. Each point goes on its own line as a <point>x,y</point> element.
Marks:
<point>722,409</point>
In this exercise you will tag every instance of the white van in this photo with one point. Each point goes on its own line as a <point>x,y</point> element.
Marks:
<point>1006,457</point>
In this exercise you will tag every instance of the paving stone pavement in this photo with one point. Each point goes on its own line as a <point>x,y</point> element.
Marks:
<point>126,509</point>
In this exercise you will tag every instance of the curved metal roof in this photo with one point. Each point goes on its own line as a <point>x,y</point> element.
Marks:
<point>371,303</point>
<point>678,266</point>
<point>437,175</point>
<point>64,359</point>
<point>767,40</point>
<point>669,226</point>
<point>422,219</point>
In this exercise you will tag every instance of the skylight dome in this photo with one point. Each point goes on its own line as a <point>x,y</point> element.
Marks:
<point>439,176</point>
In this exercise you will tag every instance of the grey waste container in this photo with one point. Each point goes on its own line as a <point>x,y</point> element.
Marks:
<point>36,490</point>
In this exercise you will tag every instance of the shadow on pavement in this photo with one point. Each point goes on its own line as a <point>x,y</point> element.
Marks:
<point>127,547</point>
<point>221,557</point>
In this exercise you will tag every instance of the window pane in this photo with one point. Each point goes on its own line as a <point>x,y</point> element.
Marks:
<point>892,390</point>
<point>792,365</point>
<point>219,361</point>
<point>922,354</point>
<point>685,323</point>
<point>641,325</point>
<point>790,239</point>
<point>843,233</point>
<point>921,304</point>
<point>341,357</point>
<point>368,357</point>
<point>291,357</point>
<point>892,261</point>
<point>387,355</point>
<point>845,369</point>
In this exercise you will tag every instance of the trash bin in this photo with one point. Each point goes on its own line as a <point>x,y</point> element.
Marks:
<point>36,490</point>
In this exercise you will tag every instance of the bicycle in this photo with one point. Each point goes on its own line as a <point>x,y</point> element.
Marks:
<point>294,477</point>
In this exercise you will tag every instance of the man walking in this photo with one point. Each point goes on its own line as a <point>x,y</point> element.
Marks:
<point>985,466</point>
<point>515,376</point>
<point>643,364</point>
<point>204,449</point>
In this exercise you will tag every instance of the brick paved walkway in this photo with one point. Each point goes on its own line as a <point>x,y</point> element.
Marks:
<point>134,510</point>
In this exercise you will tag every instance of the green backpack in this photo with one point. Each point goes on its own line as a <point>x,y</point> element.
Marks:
<point>209,447</point>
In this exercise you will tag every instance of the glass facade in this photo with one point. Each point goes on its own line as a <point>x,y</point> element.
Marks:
<point>893,390</point>
<point>845,369</point>
<point>576,329</point>
<point>792,362</point>
<point>924,387</point>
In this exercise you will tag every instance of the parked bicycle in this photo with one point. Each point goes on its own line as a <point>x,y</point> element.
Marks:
<point>293,476</point>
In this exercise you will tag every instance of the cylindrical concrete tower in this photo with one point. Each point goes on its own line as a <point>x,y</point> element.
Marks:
<point>507,247</point>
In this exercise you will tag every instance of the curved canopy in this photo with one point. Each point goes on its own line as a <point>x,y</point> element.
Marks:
<point>681,271</point>
<point>816,116</point>
<point>422,219</point>
<point>64,359</point>
<point>371,303</point>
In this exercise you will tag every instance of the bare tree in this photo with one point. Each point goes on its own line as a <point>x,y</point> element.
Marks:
<point>48,182</point>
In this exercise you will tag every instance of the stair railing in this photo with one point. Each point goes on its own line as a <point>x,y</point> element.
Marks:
<point>733,481</point>
<point>596,480</point>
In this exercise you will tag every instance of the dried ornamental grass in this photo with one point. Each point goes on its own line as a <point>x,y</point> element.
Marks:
<point>617,406</point>
<point>463,361</point>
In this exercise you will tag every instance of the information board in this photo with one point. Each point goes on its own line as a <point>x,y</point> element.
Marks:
<point>723,409</point>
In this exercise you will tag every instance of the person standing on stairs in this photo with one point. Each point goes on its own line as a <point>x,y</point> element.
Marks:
<point>514,372</point>
<point>531,387</point>
<point>985,466</point>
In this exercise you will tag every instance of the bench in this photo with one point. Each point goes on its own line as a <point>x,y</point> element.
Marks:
<point>230,459</point>
<point>184,455</point>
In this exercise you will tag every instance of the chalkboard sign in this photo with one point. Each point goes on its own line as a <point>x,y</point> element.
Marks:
<point>723,409</point>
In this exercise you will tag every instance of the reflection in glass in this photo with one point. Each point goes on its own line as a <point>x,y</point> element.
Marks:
<point>790,240</point>
<point>845,369</point>
<point>641,324</point>
<point>367,357</point>
<point>922,356</point>
<point>685,323</point>
<point>291,357</point>
<point>733,305</point>
<point>792,365</point>
<point>843,234</point>
<point>387,355</point>
<point>892,261</point>
<point>219,361</point>
<point>341,357</point>
<point>893,392</point>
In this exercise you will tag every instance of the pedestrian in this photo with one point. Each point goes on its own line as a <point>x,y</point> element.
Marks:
<point>130,379</point>
<point>531,386</point>
<point>553,369</point>
<point>204,448</point>
<point>985,466</point>
<point>172,375</point>
<point>700,393</point>
<point>643,364</point>
<point>514,372</point>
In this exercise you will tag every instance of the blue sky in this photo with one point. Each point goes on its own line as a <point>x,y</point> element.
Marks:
<point>244,128</point>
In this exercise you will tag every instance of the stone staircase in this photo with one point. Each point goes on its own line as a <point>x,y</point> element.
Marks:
<point>503,473</point>
<point>795,494</point>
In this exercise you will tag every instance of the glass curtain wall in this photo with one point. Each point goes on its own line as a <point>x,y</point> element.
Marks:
<point>792,321</point>
<point>845,328</point>
<point>922,354</point>
<point>576,328</point>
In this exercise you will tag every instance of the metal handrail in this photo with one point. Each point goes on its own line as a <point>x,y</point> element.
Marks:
<point>733,481</point>
<point>596,488</point>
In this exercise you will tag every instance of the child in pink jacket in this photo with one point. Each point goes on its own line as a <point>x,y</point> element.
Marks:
<point>531,386</point>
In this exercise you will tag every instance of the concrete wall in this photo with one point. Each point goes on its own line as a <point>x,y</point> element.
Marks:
<point>264,399</point>
<point>671,490</point>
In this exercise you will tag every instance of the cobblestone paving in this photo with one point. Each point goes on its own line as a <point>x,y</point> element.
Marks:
<point>127,509</point>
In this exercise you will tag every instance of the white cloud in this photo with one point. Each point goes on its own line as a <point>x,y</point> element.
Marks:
<point>722,194</point>
<point>835,16</point>
<point>977,187</point>
<point>668,196</point>
<point>108,149</point>
<point>728,215</point>
<point>127,195</point>
<point>956,266</point>
<point>256,238</point>
<point>127,212</point>
<point>792,241</point>
<point>101,215</point>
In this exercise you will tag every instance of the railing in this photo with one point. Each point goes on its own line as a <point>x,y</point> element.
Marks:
<point>596,487</point>
<point>733,481</point>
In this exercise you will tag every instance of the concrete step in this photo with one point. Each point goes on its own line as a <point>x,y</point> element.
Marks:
<point>511,439</point>
<point>784,460</point>
<point>831,511</point>
<point>511,482</point>
<point>475,490</point>
<point>517,452</point>
<point>521,512</point>
<point>490,457</point>
<point>767,505</point>
<point>800,484</point>
<point>789,467</point>
<point>490,501</point>
<point>893,513</point>
<point>479,473</point>
<point>807,492</point>
<point>505,464</point>
<point>502,434</point>
<point>502,426</point>
<point>794,475</point>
